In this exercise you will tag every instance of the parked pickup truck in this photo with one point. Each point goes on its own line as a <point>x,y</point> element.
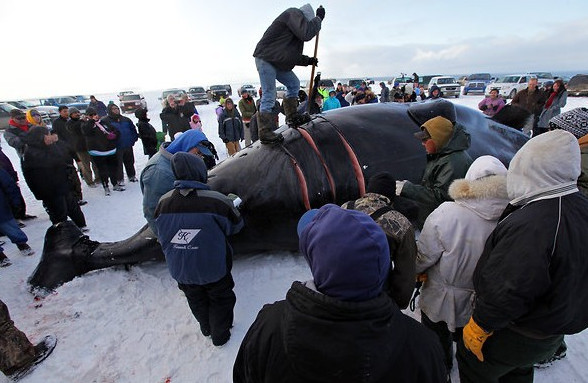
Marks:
<point>131,102</point>
<point>215,92</point>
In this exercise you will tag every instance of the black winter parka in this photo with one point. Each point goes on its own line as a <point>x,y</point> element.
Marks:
<point>311,337</point>
<point>533,272</point>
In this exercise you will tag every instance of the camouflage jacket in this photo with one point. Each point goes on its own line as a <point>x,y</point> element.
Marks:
<point>401,239</point>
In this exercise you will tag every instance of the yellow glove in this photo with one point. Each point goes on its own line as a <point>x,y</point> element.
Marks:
<point>422,277</point>
<point>474,337</point>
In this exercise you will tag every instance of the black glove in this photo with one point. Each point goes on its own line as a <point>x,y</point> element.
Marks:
<point>312,61</point>
<point>225,140</point>
<point>484,107</point>
<point>320,12</point>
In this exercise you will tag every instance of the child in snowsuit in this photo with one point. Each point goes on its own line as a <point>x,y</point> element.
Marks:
<point>147,133</point>
<point>193,223</point>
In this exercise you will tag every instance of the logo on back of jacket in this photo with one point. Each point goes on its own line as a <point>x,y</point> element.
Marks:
<point>183,237</point>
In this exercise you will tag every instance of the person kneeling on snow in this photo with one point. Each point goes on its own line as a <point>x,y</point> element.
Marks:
<point>340,326</point>
<point>193,223</point>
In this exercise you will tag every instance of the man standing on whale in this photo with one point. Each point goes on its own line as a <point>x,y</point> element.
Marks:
<point>276,54</point>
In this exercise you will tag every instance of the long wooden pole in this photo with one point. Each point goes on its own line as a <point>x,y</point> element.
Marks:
<point>312,73</point>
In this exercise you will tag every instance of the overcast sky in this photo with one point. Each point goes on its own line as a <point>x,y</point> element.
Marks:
<point>64,47</point>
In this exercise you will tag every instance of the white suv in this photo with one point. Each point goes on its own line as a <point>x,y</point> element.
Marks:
<point>509,86</point>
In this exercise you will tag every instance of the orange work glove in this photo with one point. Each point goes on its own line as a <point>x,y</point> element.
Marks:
<point>422,277</point>
<point>474,337</point>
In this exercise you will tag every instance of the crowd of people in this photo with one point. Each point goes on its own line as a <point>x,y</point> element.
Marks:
<point>480,222</point>
<point>542,103</point>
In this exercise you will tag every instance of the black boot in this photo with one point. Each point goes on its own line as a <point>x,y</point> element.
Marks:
<point>266,123</point>
<point>293,118</point>
<point>4,261</point>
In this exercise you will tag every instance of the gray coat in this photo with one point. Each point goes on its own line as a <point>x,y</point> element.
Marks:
<point>553,110</point>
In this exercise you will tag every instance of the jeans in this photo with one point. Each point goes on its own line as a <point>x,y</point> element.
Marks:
<point>268,74</point>
<point>11,230</point>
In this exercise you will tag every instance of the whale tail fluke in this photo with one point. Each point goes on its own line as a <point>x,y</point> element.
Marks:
<point>58,263</point>
<point>68,253</point>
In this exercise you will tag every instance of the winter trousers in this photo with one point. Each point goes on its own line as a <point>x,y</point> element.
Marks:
<point>233,147</point>
<point>11,230</point>
<point>15,348</point>
<point>107,166</point>
<point>75,185</point>
<point>19,211</point>
<point>508,358</point>
<point>247,133</point>
<point>212,305</point>
<point>445,336</point>
<point>62,206</point>
<point>85,167</point>
<point>127,158</point>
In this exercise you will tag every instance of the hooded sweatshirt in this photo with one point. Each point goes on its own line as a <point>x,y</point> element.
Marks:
<point>531,276</point>
<point>453,238</point>
<point>157,177</point>
<point>283,42</point>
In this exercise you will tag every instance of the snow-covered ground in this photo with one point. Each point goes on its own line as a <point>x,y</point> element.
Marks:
<point>135,326</point>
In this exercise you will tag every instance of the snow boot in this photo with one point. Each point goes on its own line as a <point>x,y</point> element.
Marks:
<point>293,118</point>
<point>266,123</point>
<point>4,261</point>
<point>118,187</point>
<point>222,339</point>
<point>42,350</point>
<point>25,249</point>
<point>560,353</point>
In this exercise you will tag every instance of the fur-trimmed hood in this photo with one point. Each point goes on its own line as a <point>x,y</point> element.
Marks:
<point>483,190</point>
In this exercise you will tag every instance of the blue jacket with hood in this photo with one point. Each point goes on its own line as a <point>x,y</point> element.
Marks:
<point>193,223</point>
<point>157,177</point>
<point>128,130</point>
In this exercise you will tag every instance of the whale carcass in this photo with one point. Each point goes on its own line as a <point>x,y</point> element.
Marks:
<point>327,160</point>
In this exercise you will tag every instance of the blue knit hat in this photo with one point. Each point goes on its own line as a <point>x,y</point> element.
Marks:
<point>189,140</point>
<point>347,252</point>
